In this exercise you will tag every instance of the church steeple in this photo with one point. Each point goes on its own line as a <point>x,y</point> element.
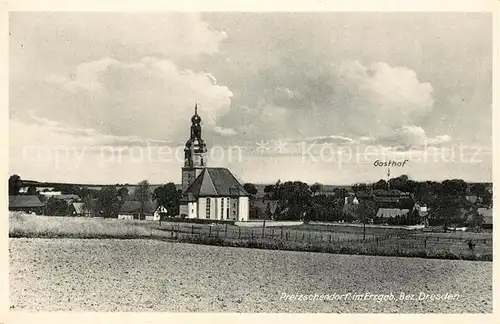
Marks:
<point>195,148</point>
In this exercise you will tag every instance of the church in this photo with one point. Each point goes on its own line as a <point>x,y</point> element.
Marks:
<point>209,193</point>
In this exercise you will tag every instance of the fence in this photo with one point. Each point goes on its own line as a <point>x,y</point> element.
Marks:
<point>229,232</point>
<point>404,241</point>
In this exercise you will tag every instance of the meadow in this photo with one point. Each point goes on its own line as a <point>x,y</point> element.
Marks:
<point>307,237</point>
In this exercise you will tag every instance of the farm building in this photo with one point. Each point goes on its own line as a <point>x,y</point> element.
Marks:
<point>70,198</point>
<point>131,209</point>
<point>487,214</point>
<point>79,209</point>
<point>209,193</point>
<point>25,203</point>
<point>391,212</point>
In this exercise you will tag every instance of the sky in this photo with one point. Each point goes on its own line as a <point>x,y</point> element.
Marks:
<point>316,97</point>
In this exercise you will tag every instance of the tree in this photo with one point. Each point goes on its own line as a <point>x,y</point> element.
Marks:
<point>123,193</point>
<point>366,210</point>
<point>56,207</point>
<point>88,209</point>
<point>294,198</point>
<point>481,190</point>
<point>31,191</point>
<point>268,214</point>
<point>360,187</point>
<point>316,187</point>
<point>455,187</point>
<point>108,202</point>
<point>402,183</point>
<point>447,212</point>
<point>67,189</point>
<point>381,185</point>
<point>268,189</point>
<point>15,185</point>
<point>487,198</point>
<point>169,197</point>
<point>142,194</point>
<point>474,219</point>
<point>250,188</point>
<point>255,212</point>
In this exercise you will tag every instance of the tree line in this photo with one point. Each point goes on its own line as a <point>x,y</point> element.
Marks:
<point>106,201</point>
<point>445,200</point>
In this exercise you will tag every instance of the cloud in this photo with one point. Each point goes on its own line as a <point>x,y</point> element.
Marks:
<point>349,98</point>
<point>89,36</point>
<point>381,98</point>
<point>150,98</point>
<point>224,131</point>
<point>332,139</point>
<point>410,137</point>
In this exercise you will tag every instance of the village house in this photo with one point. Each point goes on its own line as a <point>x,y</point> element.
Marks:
<point>209,193</point>
<point>386,213</point>
<point>487,214</point>
<point>131,209</point>
<point>29,204</point>
<point>79,209</point>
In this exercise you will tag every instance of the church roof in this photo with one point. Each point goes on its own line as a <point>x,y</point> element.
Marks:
<point>216,182</point>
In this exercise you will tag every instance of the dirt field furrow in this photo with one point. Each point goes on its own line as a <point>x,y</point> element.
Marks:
<point>148,275</point>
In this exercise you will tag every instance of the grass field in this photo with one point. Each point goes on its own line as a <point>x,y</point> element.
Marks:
<point>23,225</point>
<point>152,275</point>
<point>314,238</point>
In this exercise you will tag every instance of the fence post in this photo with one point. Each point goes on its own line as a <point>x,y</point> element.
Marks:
<point>239,232</point>
<point>286,236</point>
<point>281,232</point>
<point>263,233</point>
<point>192,229</point>
<point>309,238</point>
<point>329,238</point>
<point>252,234</point>
<point>225,232</point>
<point>303,235</point>
<point>272,233</point>
<point>209,231</point>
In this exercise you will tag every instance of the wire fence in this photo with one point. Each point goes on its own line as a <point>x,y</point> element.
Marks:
<point>229,232</point>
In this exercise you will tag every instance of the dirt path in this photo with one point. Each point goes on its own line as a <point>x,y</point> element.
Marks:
<point>146,275</point>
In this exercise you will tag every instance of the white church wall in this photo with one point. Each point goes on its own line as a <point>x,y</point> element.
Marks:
<point>192,210</point>
<point>243,209</point>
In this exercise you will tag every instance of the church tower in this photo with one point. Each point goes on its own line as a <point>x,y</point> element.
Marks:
<point>194,152</point>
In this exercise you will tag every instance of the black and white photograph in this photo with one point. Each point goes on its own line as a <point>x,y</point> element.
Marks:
<point>250,162</point>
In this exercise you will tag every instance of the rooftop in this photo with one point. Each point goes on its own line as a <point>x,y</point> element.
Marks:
<point>24,201</point>
<point>216,182</point>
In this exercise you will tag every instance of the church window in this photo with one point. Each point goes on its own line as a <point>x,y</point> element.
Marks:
<point>208,208</point>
